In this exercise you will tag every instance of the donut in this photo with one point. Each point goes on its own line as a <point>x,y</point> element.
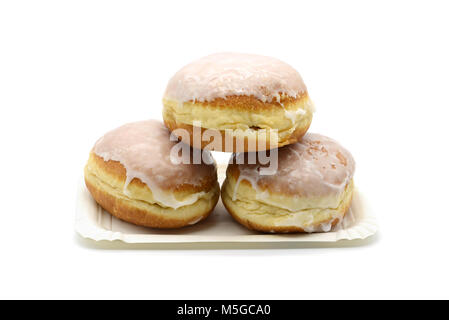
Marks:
<point>132,173</point>
<point>237,103</point>
<point>310,191</point>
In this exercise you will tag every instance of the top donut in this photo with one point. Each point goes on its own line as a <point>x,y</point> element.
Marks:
<point>237,103</point>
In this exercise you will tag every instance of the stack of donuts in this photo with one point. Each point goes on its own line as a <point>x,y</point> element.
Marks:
<point>280,178</point>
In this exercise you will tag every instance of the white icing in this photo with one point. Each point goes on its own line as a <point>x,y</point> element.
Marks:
<point>232,74</point>
<point>292,115</point>
<point>164,198</point>
<point>240,179</point>
<point>143,148</point>
<point>196,220</point>
<point>316,166</point>
<point>297,219</point>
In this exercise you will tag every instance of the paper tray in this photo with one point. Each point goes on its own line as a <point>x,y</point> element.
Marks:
<point>95,223</point>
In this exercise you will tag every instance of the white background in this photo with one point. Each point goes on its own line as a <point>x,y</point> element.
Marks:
<point>377,71</point>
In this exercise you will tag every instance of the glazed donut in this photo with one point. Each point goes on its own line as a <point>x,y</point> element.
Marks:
<point>131,174</point>
<point>247,103</point>
<point>310,191</point>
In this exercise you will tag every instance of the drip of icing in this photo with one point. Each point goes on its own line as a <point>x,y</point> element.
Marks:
<point>144,149</point>
<point>248,175</point>
<point>309,226</point>
<point>164,198</point>
<point>347,221</point>
<point>292,115</point>
<point>327,226</point>
<point>232,74</point>
<point>311,105</point>
<point>243,177</point>
<point>196,220</point>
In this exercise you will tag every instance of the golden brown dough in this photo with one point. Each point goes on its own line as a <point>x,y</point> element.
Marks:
<point>180,194</point>
<point>248,102</point>
<point>310,191</point>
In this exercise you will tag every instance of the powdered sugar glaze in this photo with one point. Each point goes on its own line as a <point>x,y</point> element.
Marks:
<point>316,166</point>
<point>226,74</point>
<point>143,148</point>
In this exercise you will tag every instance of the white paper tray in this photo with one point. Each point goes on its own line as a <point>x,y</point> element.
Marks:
<point>94,223</point>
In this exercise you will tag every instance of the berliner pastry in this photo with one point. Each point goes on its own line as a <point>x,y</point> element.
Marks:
<point>240,102</point>
<point>132,174</point>
<point>310,191</point>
